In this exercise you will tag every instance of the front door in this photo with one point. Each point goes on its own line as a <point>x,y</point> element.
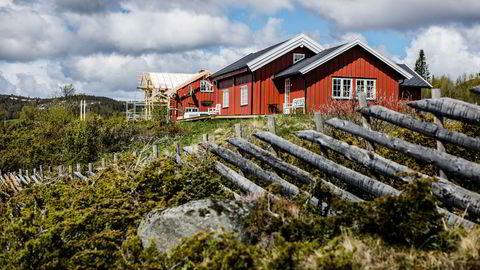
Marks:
<point>287,104</point>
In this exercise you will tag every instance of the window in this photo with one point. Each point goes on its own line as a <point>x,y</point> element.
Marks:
<point>243,95</point>
<point>191,109</point>
<point>206,86</point>
<point>225,99</point>
<point>368,87</point>
<point>341,88</point>
<point>297,57</point>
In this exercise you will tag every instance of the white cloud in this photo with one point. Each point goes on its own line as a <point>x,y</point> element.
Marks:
<point>369,14</point>
<point>451,50</point>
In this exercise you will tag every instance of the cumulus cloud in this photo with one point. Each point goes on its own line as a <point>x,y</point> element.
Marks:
<point>451,50</point>
<point>370,14</point>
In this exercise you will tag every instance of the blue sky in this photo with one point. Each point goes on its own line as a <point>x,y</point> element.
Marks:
<point>101,46</point>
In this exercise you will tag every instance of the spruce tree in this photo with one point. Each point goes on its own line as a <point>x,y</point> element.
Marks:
<point>421,66</point>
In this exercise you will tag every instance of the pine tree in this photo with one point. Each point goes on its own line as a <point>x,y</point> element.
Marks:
<point>421,66</point>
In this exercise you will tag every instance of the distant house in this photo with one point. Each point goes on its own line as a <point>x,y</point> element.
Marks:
<point>298,73</point>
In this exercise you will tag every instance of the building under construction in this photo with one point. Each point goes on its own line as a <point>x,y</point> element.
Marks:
<point>158,89</point>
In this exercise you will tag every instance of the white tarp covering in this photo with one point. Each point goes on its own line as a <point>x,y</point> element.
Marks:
<point>167,81</point>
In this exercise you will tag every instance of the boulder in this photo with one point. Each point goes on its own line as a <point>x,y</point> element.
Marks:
<point>167,227</point>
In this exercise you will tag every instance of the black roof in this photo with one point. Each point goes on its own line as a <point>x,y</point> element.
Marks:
<point>415,81</point>
<point>242,62</point>
<point>295,69</point>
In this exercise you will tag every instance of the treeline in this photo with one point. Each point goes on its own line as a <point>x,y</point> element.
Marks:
<point>458,89</point>
<point>11,105</point>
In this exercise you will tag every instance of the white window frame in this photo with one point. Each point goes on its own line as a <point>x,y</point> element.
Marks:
<point>295,60</point>
<point>192,109</point>
<point>342,90</point>
<point>206,86</point>
<point>227,103</point>
<point>365,83</point>
<point>244,95</point>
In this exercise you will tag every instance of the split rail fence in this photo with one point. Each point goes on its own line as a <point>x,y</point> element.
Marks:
<point>449,193</point>
<point>17,181</point>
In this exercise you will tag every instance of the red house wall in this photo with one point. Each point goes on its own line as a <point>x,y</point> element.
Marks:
<point>268,92</point>
<point>233,85</point>
<point>185,101</point>
<point>354,63</point>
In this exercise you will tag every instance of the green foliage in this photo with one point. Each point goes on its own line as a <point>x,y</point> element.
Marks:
<point>72,223</point>
<point>421,66</point>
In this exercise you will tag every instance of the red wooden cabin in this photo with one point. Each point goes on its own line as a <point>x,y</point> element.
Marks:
<point>300,73</point>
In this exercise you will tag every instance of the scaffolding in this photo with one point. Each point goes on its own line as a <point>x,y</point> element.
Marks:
<point>157,87</point>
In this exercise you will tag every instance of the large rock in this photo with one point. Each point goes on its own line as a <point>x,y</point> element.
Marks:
<point>167,227</point>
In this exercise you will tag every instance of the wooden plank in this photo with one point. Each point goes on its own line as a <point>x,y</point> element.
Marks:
<point>426,128</point>
<point>347,175</point>
<point>318,122</point>
<point>289,169</point>
<point>451,194</point>
<point>249,167</point>
<point>451,108</point>
<point>455,165</point>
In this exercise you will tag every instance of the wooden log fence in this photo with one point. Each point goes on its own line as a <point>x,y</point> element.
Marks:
<point>449,193</point>
<point>450,108</point>
<point>450,163</point>
<point>289,169</point>
<point>251,168</point>
<point>425,128</point>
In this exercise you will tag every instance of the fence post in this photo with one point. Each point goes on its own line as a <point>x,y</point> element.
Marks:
<point>177,153</point>
<point>319,127</point>
<point>271,124</point>
<point>437,93</point>
<point>115,158</point>
<point>104,164</point>
<point>70,170</point>
<point>155,151</point>
<point>90,168</point>
<point>205,137</point>
<point>41,172</point>
<point>34,172</point>
<point>272,127</point>
<point>60,170</point>
<point>238,130</point>
<point>79,169</point>
<point>362,100</point>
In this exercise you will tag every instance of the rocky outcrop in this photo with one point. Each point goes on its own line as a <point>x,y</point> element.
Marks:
<point>167,227</point>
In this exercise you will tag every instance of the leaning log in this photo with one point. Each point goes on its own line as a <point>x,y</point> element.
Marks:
<point>289,169</point>
<point>426,128</point>
<point>347,175</point>
<point>238,180</point>
<point>455,165</point>
<point>249,167</point>
<point>448,107</point>
<point>476,90</point>
<point>80,175</point>
<point>449,193</point>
